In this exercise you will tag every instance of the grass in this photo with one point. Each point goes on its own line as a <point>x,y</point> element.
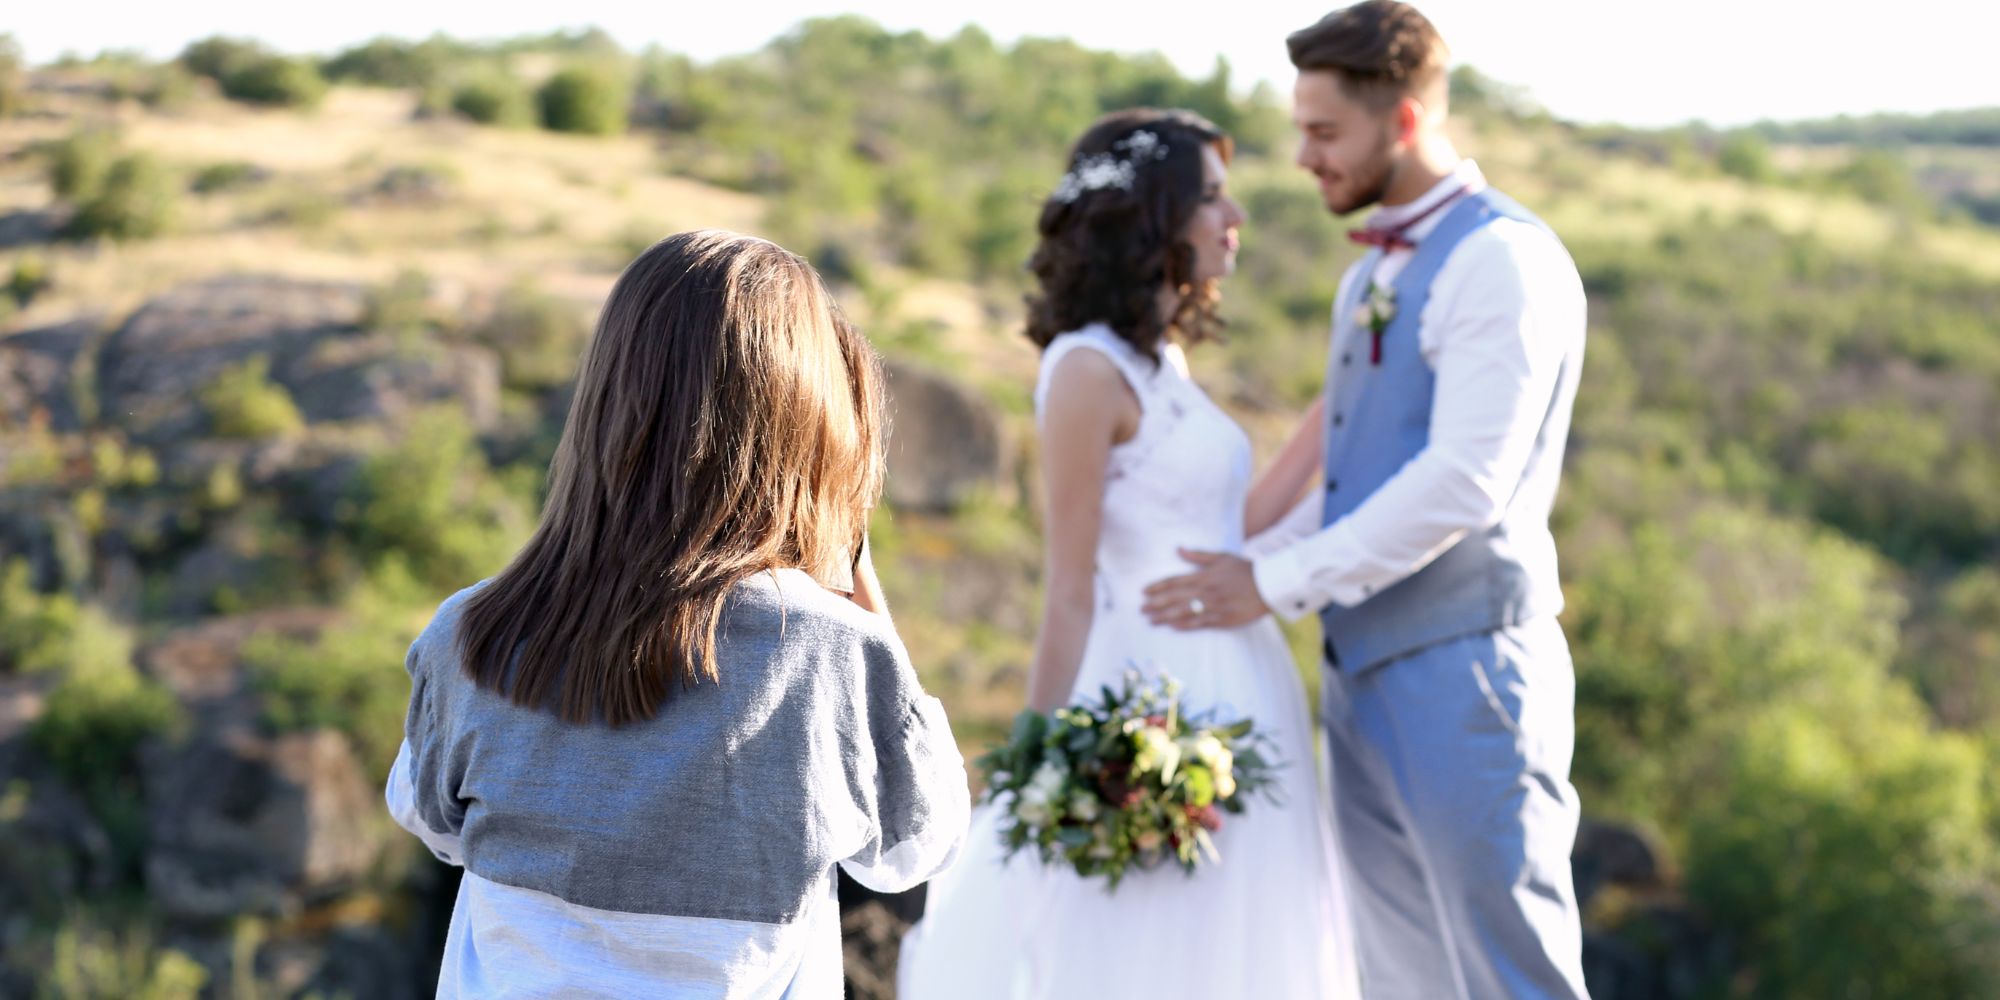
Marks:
<point>568,211</point>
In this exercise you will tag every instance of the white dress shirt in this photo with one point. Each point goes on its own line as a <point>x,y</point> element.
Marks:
<point>1504,310</point>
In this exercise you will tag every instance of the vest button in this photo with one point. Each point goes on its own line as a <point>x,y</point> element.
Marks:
<point>1346,359</point>
<point>1332,484</point>
<point>1339,420</point>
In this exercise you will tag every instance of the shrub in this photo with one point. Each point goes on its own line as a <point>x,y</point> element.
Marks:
<point>432,502</point>
<point>1953,649</point>
<point>89,962</point>
<point>102,709</point>
<point>79,163</point>
<point>388,62</point>
<point>494,99</point>
<point>218,57</point>
<point>280,81</point>
<point>1746,155</point>
<point>242,402</point>
<point>163,87</point>
<point>13,78</point>
<point>586,101</point>
<point>136,201</point>
<point>351,676</point>
<point>1827,832</point>
<point>36,629</point>
<point>538,336</point>
<point>219,177</point>
<point>30,278</point>
<point>402,308</point>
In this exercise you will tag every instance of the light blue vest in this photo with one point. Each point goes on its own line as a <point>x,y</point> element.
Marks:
<point>1380,419</point>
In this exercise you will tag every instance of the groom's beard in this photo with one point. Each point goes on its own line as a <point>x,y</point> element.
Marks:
<point>1374,181</point>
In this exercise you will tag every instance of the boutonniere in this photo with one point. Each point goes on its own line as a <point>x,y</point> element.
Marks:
<point>1375,314</point>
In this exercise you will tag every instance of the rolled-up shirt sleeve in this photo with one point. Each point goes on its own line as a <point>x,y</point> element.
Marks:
<point>412,792</point>
<point>1506,310</point>
<point>919,802</point>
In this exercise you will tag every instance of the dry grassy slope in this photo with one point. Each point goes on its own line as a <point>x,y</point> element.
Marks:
<point>516,203</point>
<point>566,211</point>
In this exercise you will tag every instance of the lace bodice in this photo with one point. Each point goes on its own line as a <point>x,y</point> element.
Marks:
<point>1180,482</point>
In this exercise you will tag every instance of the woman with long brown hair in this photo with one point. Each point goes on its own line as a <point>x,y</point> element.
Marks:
<point>652,737</point>
<point>1139,464</point>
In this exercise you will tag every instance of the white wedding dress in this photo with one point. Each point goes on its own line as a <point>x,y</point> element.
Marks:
<point>1269,921</point>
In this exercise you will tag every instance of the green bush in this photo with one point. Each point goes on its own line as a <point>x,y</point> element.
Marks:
<point>13,76</point>
<point>163,87</point>
<point>1747,155</point>
<point>1693,619</point>
<point>219,177</point>
<point>79,163</point>
<point>102,708</point>
<point>243,402</point>
<point>538,336</point>
<point>280,81</point>
<point>89,962</point>
<point>585,100</point>
<point>351,677</point>
<point>36,630</point>
<point>29,279</point>
<point>389,62</point>
<point>1848,855</point>
<point>218,57</point>
<point>137,200</point>
<point>1954,645</point>
<point>403,308</point>
<point>494,99</point>
<point>432,502</point>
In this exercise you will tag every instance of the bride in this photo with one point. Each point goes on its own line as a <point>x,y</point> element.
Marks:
<point>1139,463</point>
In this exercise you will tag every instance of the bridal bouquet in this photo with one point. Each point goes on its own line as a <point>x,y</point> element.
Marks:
<point>1128,781</point>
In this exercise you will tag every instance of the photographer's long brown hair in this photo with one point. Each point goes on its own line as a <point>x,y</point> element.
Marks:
<point>727,421</point>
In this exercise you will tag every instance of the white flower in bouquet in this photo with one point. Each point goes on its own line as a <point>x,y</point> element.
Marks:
<point>1101,847</point>
<point>1156,751</point>
<point>1216,756</point>
<point>1039,800</point>
<point>1046,784</point>
<point>1084,806</point>
<point>1034,813</point>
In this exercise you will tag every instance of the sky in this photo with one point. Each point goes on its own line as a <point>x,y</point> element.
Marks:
<point>1726,62</point>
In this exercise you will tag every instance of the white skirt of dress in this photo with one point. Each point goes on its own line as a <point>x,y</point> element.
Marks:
<point>1269,920</point>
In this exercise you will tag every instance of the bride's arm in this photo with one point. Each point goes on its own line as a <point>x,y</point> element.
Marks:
<point>1088,409</point>
<point>1290,474</point>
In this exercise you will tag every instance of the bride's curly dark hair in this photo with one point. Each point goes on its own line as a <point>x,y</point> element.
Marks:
<point>1105,253</point>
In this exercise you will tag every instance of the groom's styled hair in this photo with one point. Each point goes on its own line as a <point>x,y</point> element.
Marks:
<point>1381,50</point>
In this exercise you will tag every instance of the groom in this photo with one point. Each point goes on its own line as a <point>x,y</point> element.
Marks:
<point>1449,695</point>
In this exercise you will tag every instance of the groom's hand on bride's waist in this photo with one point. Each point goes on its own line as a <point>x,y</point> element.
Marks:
<point>1220,593</point>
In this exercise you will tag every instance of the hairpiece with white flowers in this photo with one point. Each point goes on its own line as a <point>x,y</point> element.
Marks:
<point>1117,168</point>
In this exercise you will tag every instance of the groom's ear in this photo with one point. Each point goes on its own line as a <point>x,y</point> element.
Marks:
<point>1410,115</point>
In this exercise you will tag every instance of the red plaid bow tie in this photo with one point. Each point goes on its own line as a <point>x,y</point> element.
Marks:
<point>1390,238</point>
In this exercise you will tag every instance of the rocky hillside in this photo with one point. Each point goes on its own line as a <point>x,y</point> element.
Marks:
<point>281,365</point>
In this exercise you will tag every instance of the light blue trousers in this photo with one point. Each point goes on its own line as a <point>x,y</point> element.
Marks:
<point>1456,817</point>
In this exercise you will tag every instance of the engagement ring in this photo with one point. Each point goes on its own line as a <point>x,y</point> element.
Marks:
<point>1196,607</point>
